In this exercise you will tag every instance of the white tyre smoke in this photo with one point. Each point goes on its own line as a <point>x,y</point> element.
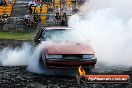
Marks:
<point>108,24</point>
<point>25,55</point>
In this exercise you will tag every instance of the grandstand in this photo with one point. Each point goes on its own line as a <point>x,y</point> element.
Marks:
<point>8,8</point>
<point>19,8</point>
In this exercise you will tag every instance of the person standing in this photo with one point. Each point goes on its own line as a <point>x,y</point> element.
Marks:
<point>4,3</point>
<point>63,2</point>
<point>64,20</point>
<point>75,9</point>
<point>5,17</point>
<point>69,10</point>
<point>30,9</point>
<point>10,1</point>
<point>64,9</point>
<point>57,9</point>
<point>57,18</point>
<point>32,3</point>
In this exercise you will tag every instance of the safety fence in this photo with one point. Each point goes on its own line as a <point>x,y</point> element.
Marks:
<point>30,23</point>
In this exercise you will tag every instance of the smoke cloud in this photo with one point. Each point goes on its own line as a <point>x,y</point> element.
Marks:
<point>25,55</point>
<point>108,24</point>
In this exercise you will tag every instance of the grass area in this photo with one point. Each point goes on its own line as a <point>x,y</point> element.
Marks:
<point>17,35</point>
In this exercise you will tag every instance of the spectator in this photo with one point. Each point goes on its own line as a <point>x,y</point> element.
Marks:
<point>63,2</point>
<point>27,20</point>
<point>74,1</point>
<point>38,1</point>
<point>44,1</point>
<point>69,10</point>
<point>57,18</point>
<point>5,17</point>
<point>4,3</point>
<point>1,22</point>
<point>50,17</point>
<point>57,9</point>
<point>64,20</point>
<point>50,9</point>
<point>30,9</point>
<point>64,16</point>
<point>36,18</point>
<point>64,9</point>
<point>10,1</point>
<point>75,10</point>
<point>31,21</point>
<point>32,3</point>
<point>38,4</point>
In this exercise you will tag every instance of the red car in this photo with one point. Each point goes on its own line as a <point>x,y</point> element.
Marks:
<point>64,48</point>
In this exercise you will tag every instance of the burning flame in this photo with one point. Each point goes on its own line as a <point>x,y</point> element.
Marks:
<point>81,71</point>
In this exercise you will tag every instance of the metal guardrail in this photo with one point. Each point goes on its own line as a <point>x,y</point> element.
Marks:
<point>17,23</point>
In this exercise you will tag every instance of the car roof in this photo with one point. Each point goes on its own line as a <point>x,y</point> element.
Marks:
<point>59,28</point>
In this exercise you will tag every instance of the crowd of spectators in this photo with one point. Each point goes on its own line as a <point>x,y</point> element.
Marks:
<point>5,2</point>
<point>57,13</point>
<point>61,12</point>
<point>4,15</point>
<point>32,18</point>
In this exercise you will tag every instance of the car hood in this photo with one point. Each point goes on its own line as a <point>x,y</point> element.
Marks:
<point>67,48</point>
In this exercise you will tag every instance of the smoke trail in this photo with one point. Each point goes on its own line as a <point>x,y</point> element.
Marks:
<point>108,24</point>
<point>17,56</point>
<point>29,56</point>
<point>25,55</point>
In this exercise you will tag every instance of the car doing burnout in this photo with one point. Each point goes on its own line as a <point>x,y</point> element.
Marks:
<point>63,48</point>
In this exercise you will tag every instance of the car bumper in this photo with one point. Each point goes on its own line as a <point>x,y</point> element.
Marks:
<point>71,64</point>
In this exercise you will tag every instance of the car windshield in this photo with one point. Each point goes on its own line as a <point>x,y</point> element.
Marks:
<point>62,35</point>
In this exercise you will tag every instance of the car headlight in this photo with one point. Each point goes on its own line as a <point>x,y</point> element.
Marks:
<point>89,56</point>
<point>53,56</point>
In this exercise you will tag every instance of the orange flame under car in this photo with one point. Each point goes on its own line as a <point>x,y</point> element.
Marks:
<point>81,71</point>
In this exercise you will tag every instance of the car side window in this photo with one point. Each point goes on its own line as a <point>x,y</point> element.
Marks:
<point>44,35</point>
